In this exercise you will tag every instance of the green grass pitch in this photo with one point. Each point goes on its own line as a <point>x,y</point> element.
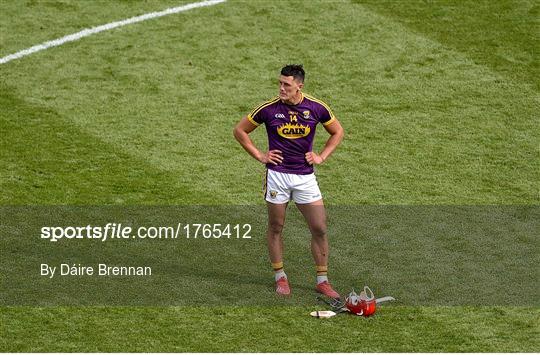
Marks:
<point>440,105</point>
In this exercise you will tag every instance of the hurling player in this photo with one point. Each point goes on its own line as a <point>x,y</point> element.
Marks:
<point>290,120</point>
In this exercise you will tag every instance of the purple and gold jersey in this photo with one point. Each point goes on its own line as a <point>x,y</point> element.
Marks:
<point>291,129</point>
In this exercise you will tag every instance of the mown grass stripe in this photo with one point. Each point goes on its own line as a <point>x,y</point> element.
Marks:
<point>109,26</point>
<point>280,329</point>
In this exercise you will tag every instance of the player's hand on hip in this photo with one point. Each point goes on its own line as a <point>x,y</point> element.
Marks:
<point>313,158</point>
<point>272,156</point>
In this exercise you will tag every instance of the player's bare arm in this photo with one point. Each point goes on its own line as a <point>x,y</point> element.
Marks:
<point>241,133</point>
<point>336,136</point>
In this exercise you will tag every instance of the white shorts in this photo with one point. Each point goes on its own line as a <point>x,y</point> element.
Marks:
<point>282,187</point>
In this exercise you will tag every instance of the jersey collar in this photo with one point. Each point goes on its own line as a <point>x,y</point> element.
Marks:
<point>299,102</point>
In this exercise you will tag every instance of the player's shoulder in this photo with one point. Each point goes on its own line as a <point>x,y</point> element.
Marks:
<point>315,101</point>
<point>319,105</point>
<point>257,115</point>
<point>266,103</point>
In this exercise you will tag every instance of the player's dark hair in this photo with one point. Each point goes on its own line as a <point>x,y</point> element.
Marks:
<point>294,70</point>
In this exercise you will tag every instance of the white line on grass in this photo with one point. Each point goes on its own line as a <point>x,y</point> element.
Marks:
<point>109,26</point>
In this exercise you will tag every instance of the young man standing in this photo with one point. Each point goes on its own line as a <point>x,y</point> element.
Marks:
<point>290,120</point>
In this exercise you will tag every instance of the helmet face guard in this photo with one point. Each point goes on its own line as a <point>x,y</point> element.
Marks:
<point>364,304</point>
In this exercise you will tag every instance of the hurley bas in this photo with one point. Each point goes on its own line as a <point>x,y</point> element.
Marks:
<point>101,270</point>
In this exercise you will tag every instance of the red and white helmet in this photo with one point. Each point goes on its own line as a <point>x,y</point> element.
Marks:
<point>363,304</point>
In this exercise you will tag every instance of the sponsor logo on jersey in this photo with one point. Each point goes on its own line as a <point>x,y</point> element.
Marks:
<point>293,130</point>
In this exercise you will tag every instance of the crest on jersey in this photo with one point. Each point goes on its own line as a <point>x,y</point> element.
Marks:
<point>306,115</point>
<point>273,194</point>
<point>293,130</point>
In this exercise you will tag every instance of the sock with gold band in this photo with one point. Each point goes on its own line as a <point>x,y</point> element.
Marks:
<point>278,270</point>
<point>322,273</point>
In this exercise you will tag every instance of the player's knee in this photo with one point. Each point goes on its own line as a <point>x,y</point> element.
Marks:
<point>319,231</point>
<point>275,228</point>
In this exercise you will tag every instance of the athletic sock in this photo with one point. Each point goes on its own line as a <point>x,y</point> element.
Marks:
<point>321,279</point>
<point>278,270</point>
<point>279,274</point>
<point>322,273</point>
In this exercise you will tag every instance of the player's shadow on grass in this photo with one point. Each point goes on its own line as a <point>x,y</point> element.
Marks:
<point>240,288</point>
